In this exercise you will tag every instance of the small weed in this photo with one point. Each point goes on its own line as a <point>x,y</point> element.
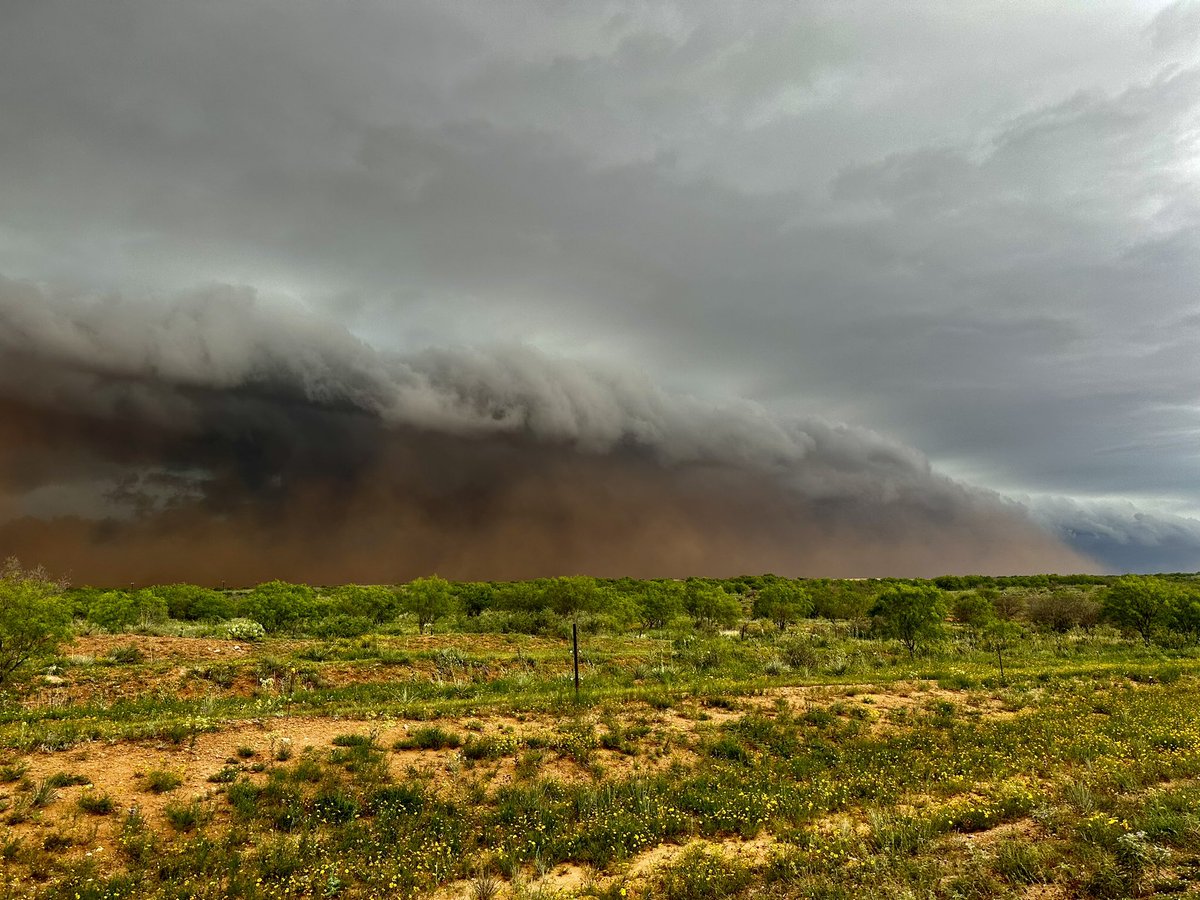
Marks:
<point>67,779</point>
<point>127,654</point>
<point>528,764</point>
<point>819,717</point>
<point>702,874</point>
<point>178,732</point>
<point>355,740</point>
<point>307,769</point>
<point>95,804</point>
<point>334,807</point>
<point>11,772</point>
<point>1020,862</point>
<point>10,849</point>
<point>56,841</point>
<point>42,795</point>
<point>136,841</point>
<point>477,748</point>
<point>184,817</point>
<point>19,813</point>
<point>226,775</point>
<point>429,737</point>
<point>161,781</point>
<point>222,675</point>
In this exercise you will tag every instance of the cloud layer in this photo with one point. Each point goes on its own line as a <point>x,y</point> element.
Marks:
<point>217,438</point>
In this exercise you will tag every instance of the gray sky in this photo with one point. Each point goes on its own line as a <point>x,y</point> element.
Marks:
<point>970,227</point>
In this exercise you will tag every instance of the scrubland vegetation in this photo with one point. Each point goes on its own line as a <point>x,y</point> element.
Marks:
<point>755,737</point>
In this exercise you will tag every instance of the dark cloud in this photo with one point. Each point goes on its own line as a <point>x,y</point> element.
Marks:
<point>1129,538</point>
<point>947,224</point>
<point>242,444</point>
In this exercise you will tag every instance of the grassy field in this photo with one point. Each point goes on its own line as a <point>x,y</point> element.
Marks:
<point>810,763</point>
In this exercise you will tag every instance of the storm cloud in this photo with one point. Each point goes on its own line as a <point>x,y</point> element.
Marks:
<point>233,441</point>
<point>948,228</point>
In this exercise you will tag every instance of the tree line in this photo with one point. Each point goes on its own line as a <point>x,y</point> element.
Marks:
<point>36,611</point>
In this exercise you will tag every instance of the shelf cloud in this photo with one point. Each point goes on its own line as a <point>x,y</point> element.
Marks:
<point>218,438</point>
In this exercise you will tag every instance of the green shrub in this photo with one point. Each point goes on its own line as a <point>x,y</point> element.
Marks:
<point>702,874</point>
<point>194,603</point>
<point>429,737</point>
<point>34,617</point>
<point>136,841</point>
<point>96,804</point>
<point>478,748</point>
<point>220,674</point>
<point>161,781</point>
<point>354,740</point>
<point>185,816</point>
<point>10,772</point>
<point>118,610</point>
<point>334,807</point>
<point>277,606</point>
<point>243,796</point>
<point>126,654</point>
<point>227,775</point>
<point>67,779</point>
<point>43,794</point>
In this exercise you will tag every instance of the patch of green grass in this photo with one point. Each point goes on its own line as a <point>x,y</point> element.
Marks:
<point>57,841</point>
<point>125,655</point>
<point>482,747</point>
<point>1021,862</point>
<point>860,799</point>
<point>429,737</point>
<point>96,804</point>
<point>67,779</point>
<point>185,817</point>
<point>10,772</point>
<point>162,781</point>
<point>42,794</point>
<point>702,874</point>
<point>225,775</point>
<point>354,740</point>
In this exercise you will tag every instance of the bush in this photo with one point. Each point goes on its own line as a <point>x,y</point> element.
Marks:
<point>96,804</point>
<point>193,603</point>
<point>342,626</point>
<point>185,816</point>
<point>1061,611</point>
<point>912,614</point>
<point>782,602</point>
<point>33,617</point>
<point>125,655</point>
<point>119,610</point>
<point>277,606</point>
<point>702,874</point>
<point>160,781</point>
<point>430,737</point>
